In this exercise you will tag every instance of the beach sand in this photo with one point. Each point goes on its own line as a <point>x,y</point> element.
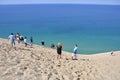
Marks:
<point>40,63</point>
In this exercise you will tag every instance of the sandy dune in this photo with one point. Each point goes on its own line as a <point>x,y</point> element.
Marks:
<point>40,63</point>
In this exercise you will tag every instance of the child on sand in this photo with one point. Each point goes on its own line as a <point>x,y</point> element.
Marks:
<point>74,52</point>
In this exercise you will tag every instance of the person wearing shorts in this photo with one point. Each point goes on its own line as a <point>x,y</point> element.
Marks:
<point>74,52</point>
<point>25,41</point>
<point>59,50</point>
<point>12,39</point>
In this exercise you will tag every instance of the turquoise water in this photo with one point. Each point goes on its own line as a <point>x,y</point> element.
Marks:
<point>95,28</point>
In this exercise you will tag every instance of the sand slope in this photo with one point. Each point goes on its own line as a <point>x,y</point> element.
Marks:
<point>40,63</point>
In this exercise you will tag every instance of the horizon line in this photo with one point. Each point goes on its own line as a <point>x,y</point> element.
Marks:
<point>60,3</point>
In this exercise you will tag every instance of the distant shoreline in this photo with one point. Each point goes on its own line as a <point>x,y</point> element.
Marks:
<point>69,52</point>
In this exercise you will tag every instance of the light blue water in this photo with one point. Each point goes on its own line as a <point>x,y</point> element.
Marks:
<point>95,28</point>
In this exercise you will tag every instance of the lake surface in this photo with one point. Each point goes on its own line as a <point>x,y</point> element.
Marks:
<point>95,28</point>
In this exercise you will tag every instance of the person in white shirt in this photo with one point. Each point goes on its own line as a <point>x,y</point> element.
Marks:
<point>11,39</point>
<point>25,41</point>
<point>18,38</point>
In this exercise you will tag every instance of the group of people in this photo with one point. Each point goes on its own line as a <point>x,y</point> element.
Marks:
<point>74,54</point>
<point>20,39</point>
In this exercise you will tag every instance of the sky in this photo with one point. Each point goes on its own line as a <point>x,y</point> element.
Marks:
<point>105,2</point>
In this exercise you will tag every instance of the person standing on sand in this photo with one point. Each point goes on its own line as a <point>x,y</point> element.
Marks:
<point>42,42</point>
<point>12,39</point>
<point>31,41</point>
<point>21,39</point>
<point>18,38</point>
<point>25,41</point>
<point>52,46</point>
<point>112,53</point>
<point>74,52</point>
<point>59,50</point>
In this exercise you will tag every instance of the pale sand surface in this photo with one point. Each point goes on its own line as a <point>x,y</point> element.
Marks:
<point>40,63</point>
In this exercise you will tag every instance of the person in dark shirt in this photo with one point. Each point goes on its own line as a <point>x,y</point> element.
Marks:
<point>42,42</point>
<point>52,45</point>
<point>31,41</point>
<point>59,50</point>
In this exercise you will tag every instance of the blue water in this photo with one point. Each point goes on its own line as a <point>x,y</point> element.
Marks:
<point>95,28</point>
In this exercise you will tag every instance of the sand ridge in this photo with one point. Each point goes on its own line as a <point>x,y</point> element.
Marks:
<point>41,63</point>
